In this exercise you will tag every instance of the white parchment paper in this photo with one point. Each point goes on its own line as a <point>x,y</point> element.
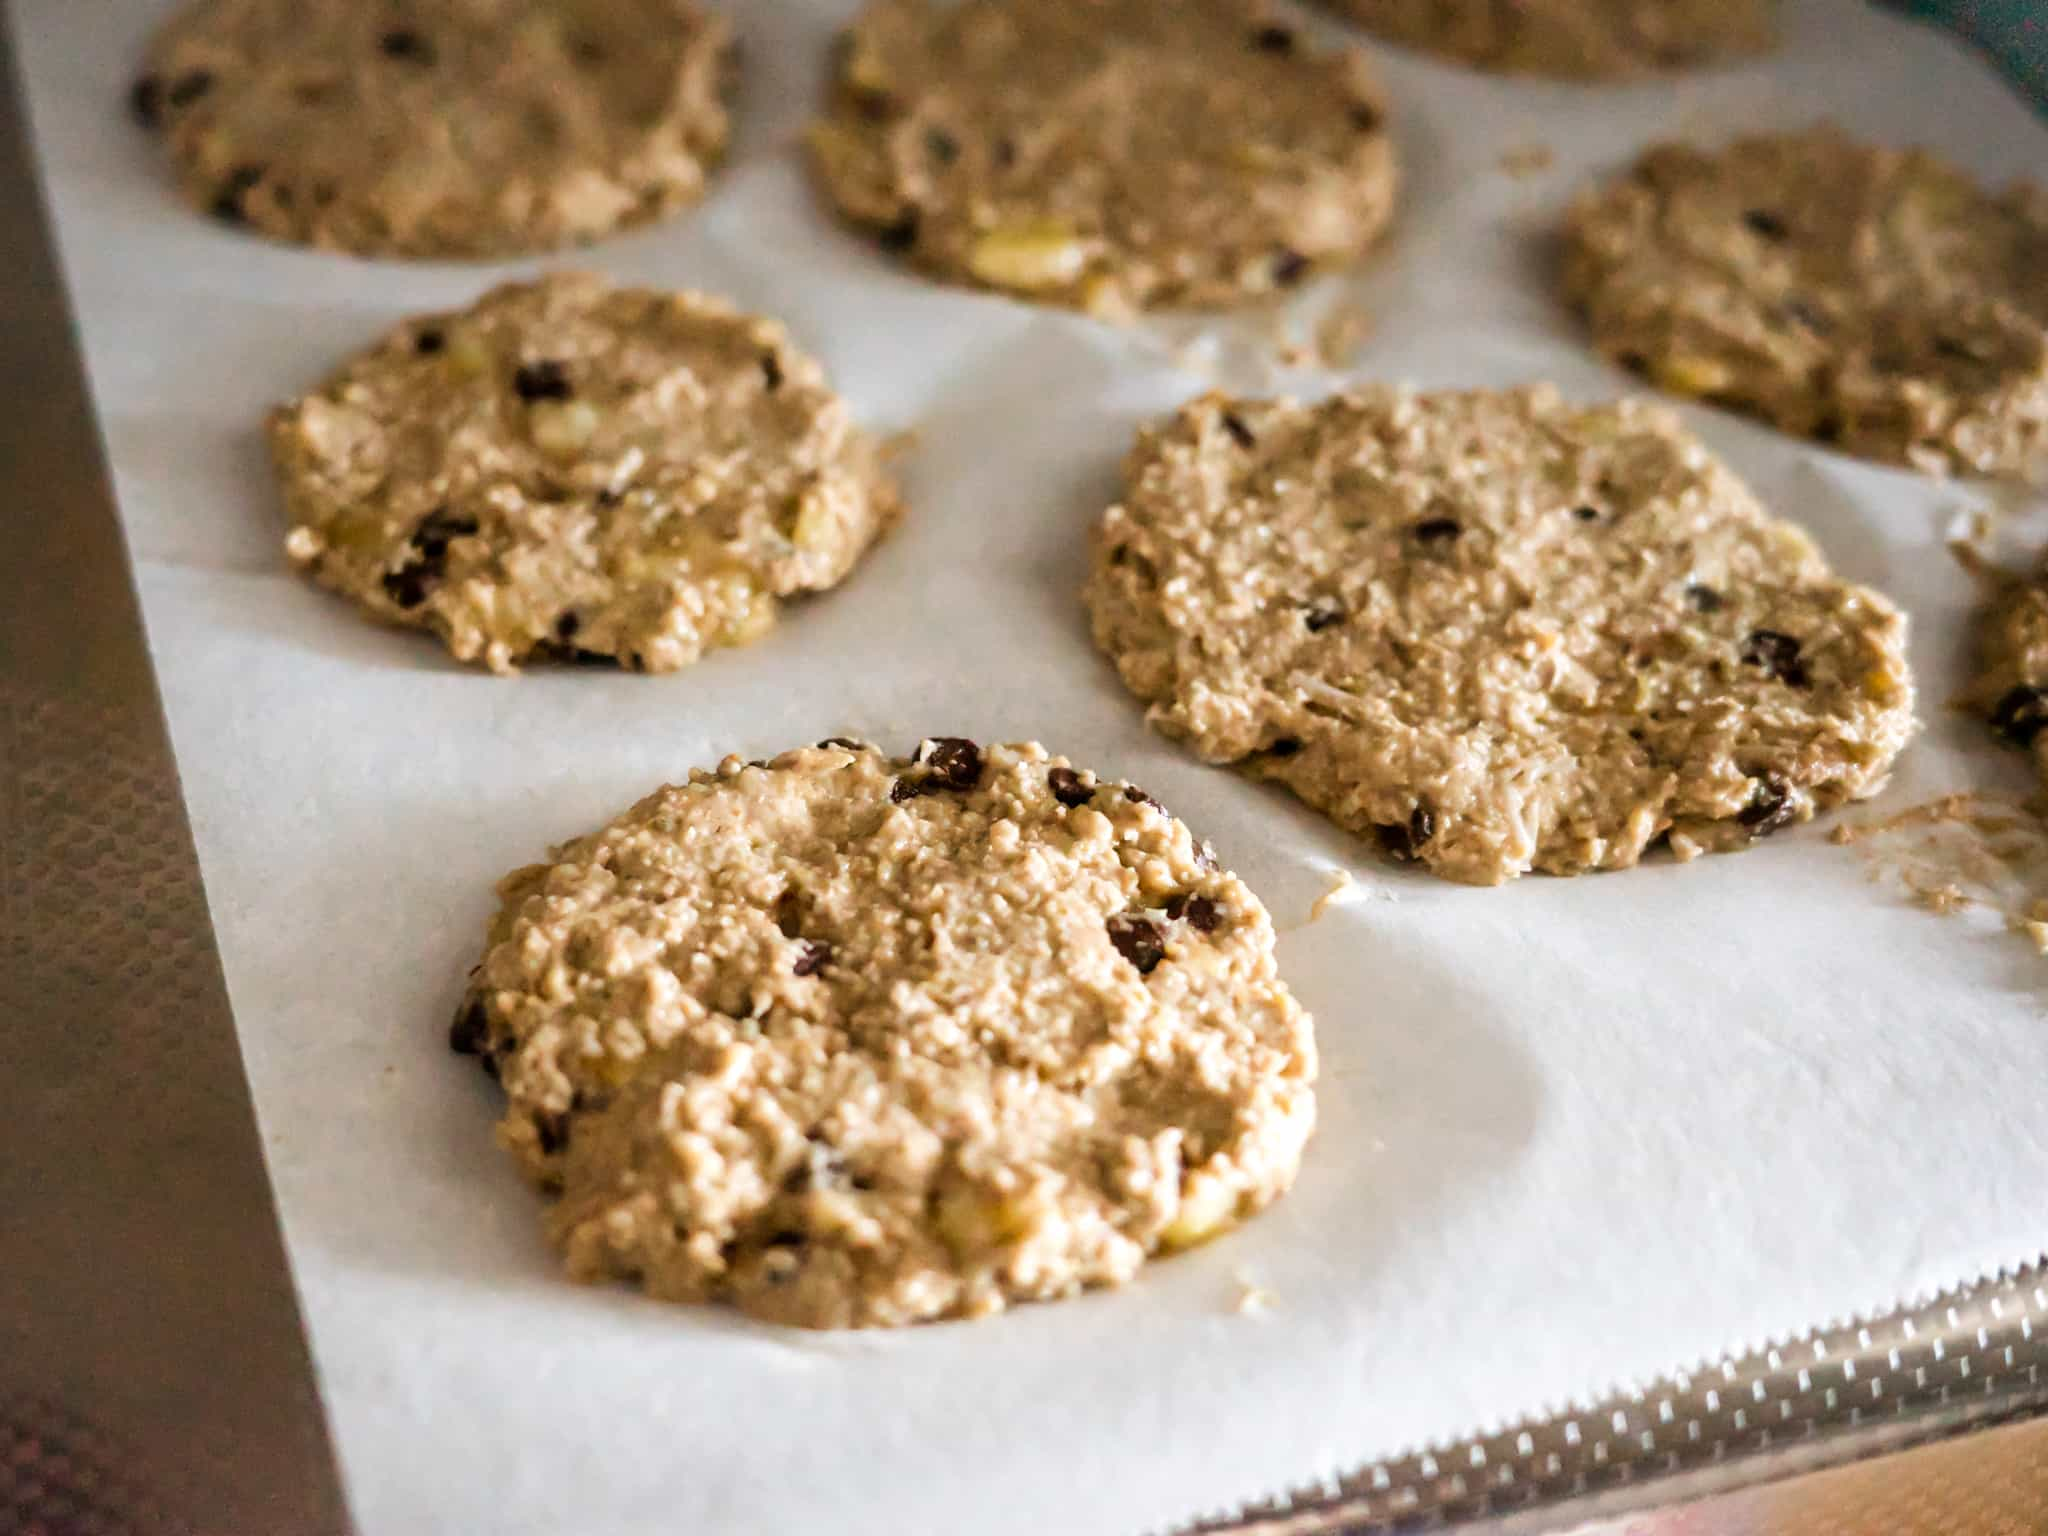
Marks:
<point>1573,1132</point>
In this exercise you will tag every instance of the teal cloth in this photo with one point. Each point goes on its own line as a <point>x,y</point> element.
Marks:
<point>2013,32</point>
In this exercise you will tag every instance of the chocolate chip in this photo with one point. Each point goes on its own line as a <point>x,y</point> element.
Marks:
<point>1365,117</point>
<point>428,342</point>
<point>146,101</point>
<point>1239,432</point>
<point>1766,224</point>
<point>608,496</point>
<point>440,528</point>
<point>566,627</point>
<point>2021,714</point>
<point>812,958</point>
<point>1828,428</point>
<point>1405,840</point>
<point>1956,350</point>
<point>404,43</point>
<point>1586,514</point>
<point>1705,599</point>
<point>771,371</point>
<point>1778,655</point>
<point>875,106</point>
<point>1321,614</point>
<point>1770,807</point>
<point>844,743</point>
<point>786,1239</point>
<point>412,583</point>
<point>1068,788</point>
<point>230,204</point>
<point>1198,912</point>
<point>1289,267</point>
<point>952,762</point>
<point>542,379</point>
<point>901,791</point>
<point>1810,317</point>
<point>1138,940</point>
<point>1286,746</point>
<point>470,1034</point>
<point>941,146</point>
<point>1205,856</point>
<point>1437,530</point>
<point>901,235</point>
<point>1273,40</point>
<point>189,87</point>
<point>1138,797</point>
<point>553,1131</point>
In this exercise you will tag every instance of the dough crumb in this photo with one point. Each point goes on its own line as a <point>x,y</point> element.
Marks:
<point>1341,882</point>
<point>1253,1299</point>
<point>1342,333</point>
<point>1943,900</point>
<point>1960,852</point>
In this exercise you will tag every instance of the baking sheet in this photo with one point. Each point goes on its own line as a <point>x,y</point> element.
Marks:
<point>1573,1132</point>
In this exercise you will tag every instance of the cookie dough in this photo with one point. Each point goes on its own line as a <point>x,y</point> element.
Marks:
<point>572,470</point>
<point>1496,632</point>
<point>1114,155</point>
<point>439,127</point>
<point>1873,298</point>
<point>852,1040</point>
<point>2011,689</point>
<point>1575,39</point>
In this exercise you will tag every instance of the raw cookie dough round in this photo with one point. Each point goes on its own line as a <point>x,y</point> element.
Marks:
<point>852,1040</point>
<point>440,127</point>
<point>1498,631</point>
<point>1874,298</point>
<point>569,469</point>
<point>2011,688</point>
<point>1114,155</point>
<point>1574,39</point>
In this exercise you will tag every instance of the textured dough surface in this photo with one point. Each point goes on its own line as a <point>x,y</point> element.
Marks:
<point>1874,298</point>
<point>1574,39</point>
<point>439,127</point>
<point>1113,155</point>
<point>573,470</point>
<point>2011,687</point>
<point>1498,631</point>
<point>851,1040</point>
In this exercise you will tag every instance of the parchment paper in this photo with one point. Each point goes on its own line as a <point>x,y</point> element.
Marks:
<point>1573,1132</point>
